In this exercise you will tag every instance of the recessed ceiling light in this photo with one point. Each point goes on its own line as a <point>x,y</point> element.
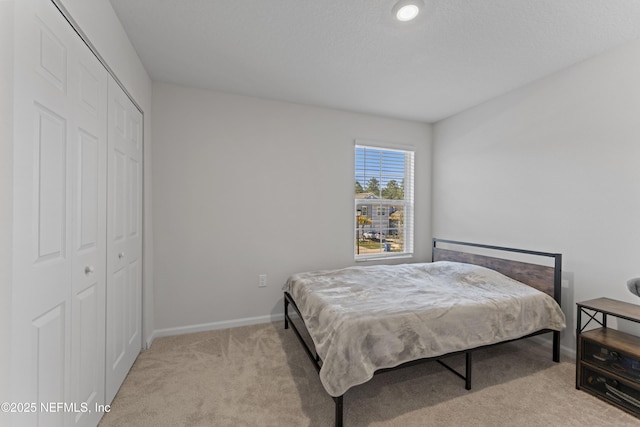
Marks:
<point>407,10</point>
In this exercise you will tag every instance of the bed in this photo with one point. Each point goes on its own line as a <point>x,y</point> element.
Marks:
<point>372,319</point>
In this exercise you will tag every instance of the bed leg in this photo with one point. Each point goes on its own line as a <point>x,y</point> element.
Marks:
<point>467,381</point>
<point>556,346</point>
<point>286,313</point>
<point>338,402</point>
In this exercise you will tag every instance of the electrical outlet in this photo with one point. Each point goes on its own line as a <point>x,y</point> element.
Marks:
<point>262,280</point>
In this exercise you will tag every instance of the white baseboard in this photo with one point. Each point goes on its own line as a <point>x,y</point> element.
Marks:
<point>225,324</point>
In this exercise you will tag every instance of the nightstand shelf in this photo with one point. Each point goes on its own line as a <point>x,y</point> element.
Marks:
<point>608,360</point>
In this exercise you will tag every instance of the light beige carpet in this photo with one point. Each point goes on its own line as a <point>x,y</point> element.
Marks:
<point>260,376</point>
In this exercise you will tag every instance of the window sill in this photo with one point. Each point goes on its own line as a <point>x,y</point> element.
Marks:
<point>365,258</point>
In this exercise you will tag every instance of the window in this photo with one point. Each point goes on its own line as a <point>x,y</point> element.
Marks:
<point>383,202</point>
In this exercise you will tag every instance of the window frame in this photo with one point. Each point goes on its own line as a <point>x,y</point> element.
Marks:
<point>407,204</point>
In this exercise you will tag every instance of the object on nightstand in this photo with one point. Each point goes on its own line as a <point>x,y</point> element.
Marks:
<point>634,286</point>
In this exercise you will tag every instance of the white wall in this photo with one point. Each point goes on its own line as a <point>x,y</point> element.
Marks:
<point>6,189</point>
<point>244,186</point>
<point>99,22</point>
<point>553,166</point>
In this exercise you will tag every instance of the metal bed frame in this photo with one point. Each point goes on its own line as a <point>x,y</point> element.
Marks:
<point>541,275</point>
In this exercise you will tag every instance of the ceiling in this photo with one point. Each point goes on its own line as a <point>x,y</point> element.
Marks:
<point>353,55</point>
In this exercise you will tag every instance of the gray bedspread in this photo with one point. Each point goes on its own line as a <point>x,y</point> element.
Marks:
<point>362,319</point>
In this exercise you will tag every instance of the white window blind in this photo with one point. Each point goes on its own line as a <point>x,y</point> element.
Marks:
<point>383,202</point>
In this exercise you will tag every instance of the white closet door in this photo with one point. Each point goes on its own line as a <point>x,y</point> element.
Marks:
<point>58,293</point>
<point>124,238</point>
<point>89,181</point>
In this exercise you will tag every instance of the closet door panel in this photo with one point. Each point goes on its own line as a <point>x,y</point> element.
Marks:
<point>88,89</point>
<point>133,304</point>
<point>116,321</point>
<point>43,130</point>
<point>124,243</point>
<point>88,371</point>
<point>49,340</point>
<point>58,293</point>
<point>50,185</point>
